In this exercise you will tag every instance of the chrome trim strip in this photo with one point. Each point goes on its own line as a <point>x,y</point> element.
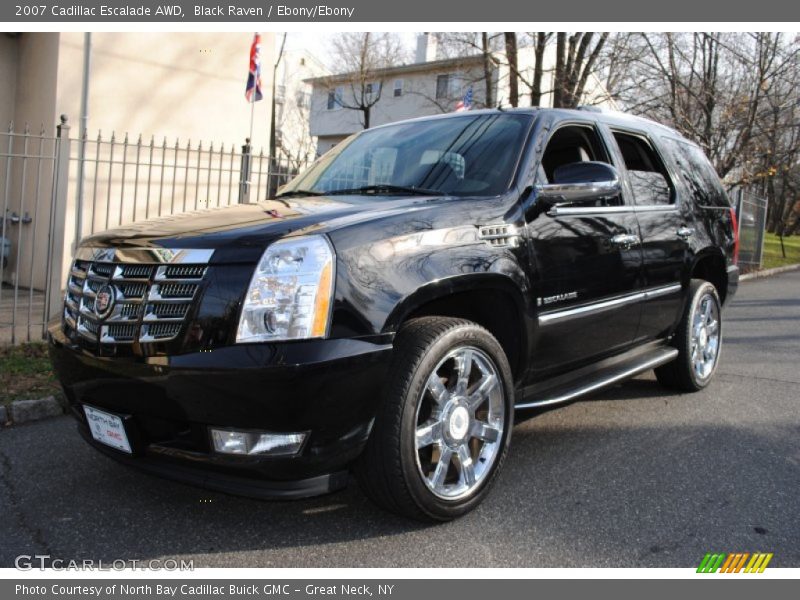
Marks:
<point>657,208</point>
<point>662,291</point>
<point>603,305</point>
<point>582,210</point>
<point>567,211</point>
<point>664,357</point>
<point>145,255</point>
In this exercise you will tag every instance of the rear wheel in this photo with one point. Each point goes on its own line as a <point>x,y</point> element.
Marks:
<point>443,429</point>
<point>698,340</point>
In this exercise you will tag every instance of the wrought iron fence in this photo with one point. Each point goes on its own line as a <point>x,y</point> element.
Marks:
<point>29,179</point>
<point>127,180</point>
<point>56,189</point>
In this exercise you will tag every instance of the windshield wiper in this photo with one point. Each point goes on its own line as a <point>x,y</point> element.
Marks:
<point>385,188</point>
<point>291,193</point>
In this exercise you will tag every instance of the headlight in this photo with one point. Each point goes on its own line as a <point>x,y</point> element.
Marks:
<point>289,297</point>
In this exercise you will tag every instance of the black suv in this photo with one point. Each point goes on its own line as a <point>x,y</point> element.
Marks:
<point>397,304</point>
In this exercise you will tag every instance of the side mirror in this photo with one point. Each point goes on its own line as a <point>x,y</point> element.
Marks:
<point>580,182</point>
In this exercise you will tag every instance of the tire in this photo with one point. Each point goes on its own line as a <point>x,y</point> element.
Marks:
<point>698,340</point>
<point>435,449</point>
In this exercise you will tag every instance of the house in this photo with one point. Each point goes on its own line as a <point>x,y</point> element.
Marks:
<point>429,86</point>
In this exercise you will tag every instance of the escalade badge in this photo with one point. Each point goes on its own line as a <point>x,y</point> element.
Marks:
<point>104,301</point>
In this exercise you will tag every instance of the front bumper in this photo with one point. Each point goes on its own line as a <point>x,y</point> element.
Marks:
<point>328,388</point>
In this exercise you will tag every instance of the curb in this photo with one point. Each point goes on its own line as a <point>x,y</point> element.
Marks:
<point>768,272</point>
<point>26,411</point>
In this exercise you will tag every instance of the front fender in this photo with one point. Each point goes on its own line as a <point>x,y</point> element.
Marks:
<point>381,281</point>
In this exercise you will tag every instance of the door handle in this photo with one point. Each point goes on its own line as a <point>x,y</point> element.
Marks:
<point>685,232</point>
<point>625,240</point>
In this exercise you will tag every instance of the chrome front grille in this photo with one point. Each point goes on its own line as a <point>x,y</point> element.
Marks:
<point>150,301</point>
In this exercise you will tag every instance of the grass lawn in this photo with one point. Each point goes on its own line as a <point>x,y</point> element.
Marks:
<point>772,251</point>
<point>25,372</point>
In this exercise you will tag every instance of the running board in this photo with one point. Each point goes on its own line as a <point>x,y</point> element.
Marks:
<point>600,378</point>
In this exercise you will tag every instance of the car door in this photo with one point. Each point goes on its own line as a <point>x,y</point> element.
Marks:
<point>586,262</point>
<point>650,188</point>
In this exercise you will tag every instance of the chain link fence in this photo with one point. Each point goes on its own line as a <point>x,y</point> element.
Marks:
<point>751,211</point>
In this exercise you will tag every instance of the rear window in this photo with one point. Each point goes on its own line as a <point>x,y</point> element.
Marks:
<point>698,174</point>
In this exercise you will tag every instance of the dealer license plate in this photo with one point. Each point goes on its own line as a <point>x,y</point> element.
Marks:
<point>107,429</point>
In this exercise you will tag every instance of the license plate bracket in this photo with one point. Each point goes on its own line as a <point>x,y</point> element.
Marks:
<point>108,429</point>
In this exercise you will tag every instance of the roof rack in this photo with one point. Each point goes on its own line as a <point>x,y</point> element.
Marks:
<point>594,109</point>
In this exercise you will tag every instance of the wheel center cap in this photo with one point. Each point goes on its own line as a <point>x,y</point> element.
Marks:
<point>703,337</point>
<point>458,423</point>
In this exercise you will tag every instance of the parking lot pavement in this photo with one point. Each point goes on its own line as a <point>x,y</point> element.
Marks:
<point>635,476</point>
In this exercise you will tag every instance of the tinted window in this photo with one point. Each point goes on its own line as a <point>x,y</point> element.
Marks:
<point>647,175</point>
<point>469,155</point>
<point>697,173</point>
<point>573,144</point>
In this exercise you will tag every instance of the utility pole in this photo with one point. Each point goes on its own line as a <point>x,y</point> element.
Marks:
<point>272,188</point>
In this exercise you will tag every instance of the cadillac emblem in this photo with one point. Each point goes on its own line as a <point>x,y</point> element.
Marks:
<point>104,301</point>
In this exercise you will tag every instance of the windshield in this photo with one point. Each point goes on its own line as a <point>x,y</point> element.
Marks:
<point>470,155</point>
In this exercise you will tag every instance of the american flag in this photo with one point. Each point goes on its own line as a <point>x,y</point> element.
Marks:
<point>466,102</point>
<point>254,76</point>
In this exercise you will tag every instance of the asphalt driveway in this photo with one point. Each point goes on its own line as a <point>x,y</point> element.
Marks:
<point>635,476</point>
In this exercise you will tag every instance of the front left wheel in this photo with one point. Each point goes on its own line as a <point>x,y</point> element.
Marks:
<point>444,425</point>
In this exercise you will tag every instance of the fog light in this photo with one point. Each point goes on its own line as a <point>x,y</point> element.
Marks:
<point>255,442</point>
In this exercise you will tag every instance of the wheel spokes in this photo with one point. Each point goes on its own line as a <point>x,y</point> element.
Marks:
<point>429,433</point>
<point>485,387</point>
<point>466,467</point>
<point>440,473</point>
<point>484,432</point>
<point>437,389</point>
<point>463,370</point>
<point>455,448</point>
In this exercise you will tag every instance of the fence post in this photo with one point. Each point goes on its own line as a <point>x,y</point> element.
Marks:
<point>58,217</point>
<point>244,173</point>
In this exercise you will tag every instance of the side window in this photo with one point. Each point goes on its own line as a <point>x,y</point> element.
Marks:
<point>696,171</point>
<point>571,144</point>
<point>647,175</point>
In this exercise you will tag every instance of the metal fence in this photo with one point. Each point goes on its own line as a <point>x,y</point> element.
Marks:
<point>751,211</point>
<point>56,189</point>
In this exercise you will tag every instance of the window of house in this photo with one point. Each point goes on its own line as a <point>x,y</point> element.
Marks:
<point>442,86</point>
<point>647,175</point>
<point>335,98</point>
<point>372,88</point>
<point>303,99</point>
<point>398,88</point>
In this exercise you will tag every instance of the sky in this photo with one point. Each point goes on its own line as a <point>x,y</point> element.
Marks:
<point>319,43</point>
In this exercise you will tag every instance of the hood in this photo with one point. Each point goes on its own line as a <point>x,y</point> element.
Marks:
<point>239,233</point>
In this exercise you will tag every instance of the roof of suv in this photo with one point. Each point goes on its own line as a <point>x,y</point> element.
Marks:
<point>592,113</point>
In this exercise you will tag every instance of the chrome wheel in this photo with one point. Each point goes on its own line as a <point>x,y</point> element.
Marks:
<point>459,423</point>
<point>705,339</point>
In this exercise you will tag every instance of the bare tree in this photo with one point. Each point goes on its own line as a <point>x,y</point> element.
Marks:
<point>364,57</point>
<point>735,94</point>
<point>513,67</point>
<point>576,57</point>
<point>471,44</point>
